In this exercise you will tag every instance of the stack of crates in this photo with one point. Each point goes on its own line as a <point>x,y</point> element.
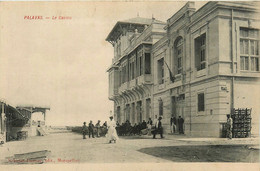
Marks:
<point>241,123</point>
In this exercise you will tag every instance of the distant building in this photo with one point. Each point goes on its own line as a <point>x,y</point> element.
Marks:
<point>212,54</point>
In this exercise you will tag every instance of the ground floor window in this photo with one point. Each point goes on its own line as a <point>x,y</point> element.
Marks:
<point>201,102</point>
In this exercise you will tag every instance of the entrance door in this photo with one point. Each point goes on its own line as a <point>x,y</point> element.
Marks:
<point>178,104</point>
<point>173,102</point>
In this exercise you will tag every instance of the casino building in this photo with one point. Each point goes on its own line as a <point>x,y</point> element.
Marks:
<point>199,65</point>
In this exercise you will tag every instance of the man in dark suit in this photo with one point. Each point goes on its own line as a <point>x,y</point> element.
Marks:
<point>180,123</point>
<point>158,128</point>
<point>91,129</point>
<point>84,130</point>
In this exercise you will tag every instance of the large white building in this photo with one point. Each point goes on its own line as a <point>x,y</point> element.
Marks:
<point>213,54</point>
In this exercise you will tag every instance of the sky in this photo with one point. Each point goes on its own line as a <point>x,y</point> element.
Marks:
<point>62,64</point>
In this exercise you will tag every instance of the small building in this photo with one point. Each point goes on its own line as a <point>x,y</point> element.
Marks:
<point>199,65</point>
<point>33,126</point>
<point>17,121</point>
<point>9,120</point>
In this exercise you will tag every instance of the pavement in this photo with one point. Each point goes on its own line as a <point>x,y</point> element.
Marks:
<point>68,147</point>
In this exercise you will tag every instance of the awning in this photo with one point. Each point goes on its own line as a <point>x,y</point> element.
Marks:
<point>10,110</point>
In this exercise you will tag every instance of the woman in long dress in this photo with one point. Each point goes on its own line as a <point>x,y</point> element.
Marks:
<point>111,133</point>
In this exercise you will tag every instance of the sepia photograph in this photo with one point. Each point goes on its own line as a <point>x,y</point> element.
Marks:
<point>145,83</point>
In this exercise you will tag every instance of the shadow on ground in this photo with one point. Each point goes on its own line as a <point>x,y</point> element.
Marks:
<point>135,137</point>
<point>212,153</point>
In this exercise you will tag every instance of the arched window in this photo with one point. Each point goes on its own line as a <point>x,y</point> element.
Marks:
<point>178,55</point>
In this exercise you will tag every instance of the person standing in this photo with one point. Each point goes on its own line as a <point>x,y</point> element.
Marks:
<point>158,129</point>
<point>155,121</point>
<point>84,130</point>
<point>174,124</point>
<point>180,123</point>
<point>149,125</point>
<point>98,128</point>
<point>143,125</point>
<point>105,124</point>
<point>171,124</point>
<point>91,129</point>
<point>111,133</point>
<point>229,127</point>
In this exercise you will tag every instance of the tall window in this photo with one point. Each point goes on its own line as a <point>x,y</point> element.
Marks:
<point>124,74</point>
<point>133,70</point>
<point>179,54</point>
<point>249,49</point>
<point>147,63</point>
<point>140,63</point>
<point>130,71</point>
<point>200,52</point>
<point>160,71</point>
<point>201,102</point>
<point>120,77</point>
<point>160,107</point>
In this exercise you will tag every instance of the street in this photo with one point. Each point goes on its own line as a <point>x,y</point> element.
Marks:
<point>68,147</point>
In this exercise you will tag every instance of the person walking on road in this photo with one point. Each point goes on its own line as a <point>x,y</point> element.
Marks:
<point>111,133</point>
<point>229,127</point>
<point>158,128</point>
<point>84,130</point>
<point>91,129</point>
<point>180,123</point>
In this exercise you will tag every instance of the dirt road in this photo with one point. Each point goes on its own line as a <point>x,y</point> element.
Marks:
<point>71,148</point>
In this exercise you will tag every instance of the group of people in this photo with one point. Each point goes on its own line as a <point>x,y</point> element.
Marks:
<point>177,123</point>
<point>90,129</point>
<point>127,129</point>
<point>112,129</point>
<point>150,127</point>
<point>109,126</point>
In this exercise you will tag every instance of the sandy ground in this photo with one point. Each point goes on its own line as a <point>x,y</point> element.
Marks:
<point>71,148</point>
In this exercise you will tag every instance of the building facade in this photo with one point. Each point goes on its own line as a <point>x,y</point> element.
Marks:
<point>213,56</point>
<point>130,76</point>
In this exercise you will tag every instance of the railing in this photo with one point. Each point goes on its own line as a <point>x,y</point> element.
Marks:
<point>123,87</point>
<point>143,79</point>
<point>132,83</point>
